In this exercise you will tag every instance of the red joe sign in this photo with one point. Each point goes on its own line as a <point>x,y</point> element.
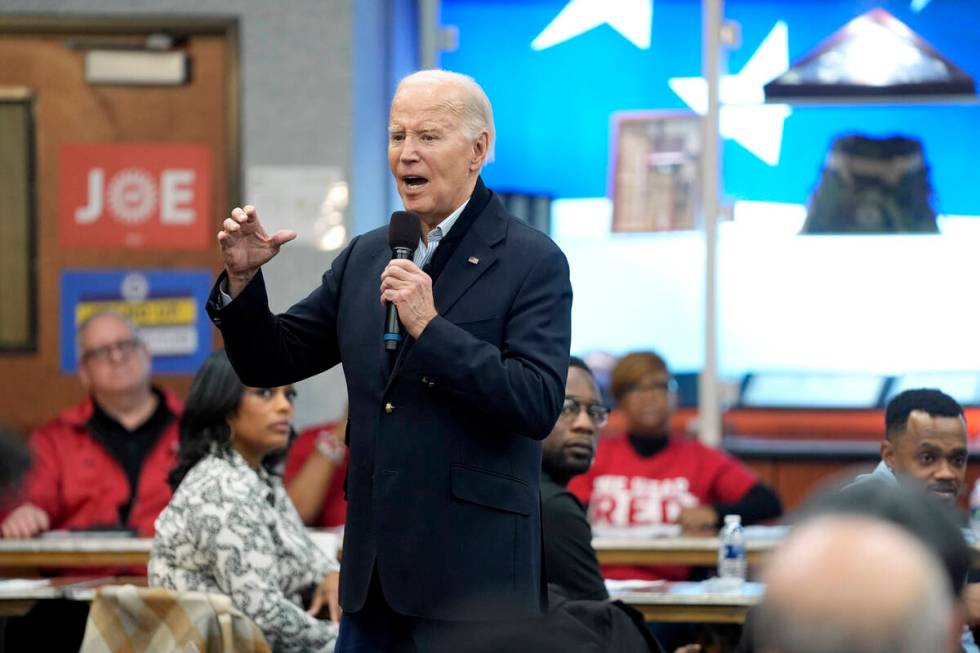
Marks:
<point>139,195</point>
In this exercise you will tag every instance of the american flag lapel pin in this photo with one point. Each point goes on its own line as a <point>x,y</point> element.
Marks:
<point>474,260</point>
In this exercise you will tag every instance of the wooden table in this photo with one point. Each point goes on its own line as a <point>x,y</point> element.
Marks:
<point>694,551</point>
<point>91,550</point>
<point>693,602</point>
<point>75,551</point>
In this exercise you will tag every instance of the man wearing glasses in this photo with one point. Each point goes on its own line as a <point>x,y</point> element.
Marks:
<point>570,560</point>
<point>102,464</point>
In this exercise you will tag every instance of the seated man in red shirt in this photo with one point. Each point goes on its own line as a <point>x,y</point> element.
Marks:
<point>648,477</point>
<point>315,468</point>
<point>102,464</point>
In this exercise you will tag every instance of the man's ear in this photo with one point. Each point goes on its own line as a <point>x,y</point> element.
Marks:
<point>480,147</point>
<point>888,453</point>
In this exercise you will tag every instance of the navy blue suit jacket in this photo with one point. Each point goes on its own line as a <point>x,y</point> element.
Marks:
<point>445,451</point>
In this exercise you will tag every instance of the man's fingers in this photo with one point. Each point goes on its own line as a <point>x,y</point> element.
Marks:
<point>247,214</point>
<point>16,529</point>
<point>403,273</point>
<point>230,225</point>
<point>403,264</point>
<point>282,237</point>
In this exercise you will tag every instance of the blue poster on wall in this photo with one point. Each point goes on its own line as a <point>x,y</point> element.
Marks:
<point>557,71</point>
<point>167,307</point>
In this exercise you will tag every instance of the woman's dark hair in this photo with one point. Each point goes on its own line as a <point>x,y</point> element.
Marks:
<point>214,397</point>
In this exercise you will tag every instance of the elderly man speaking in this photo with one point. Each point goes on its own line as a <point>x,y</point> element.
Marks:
<point>443,525</point>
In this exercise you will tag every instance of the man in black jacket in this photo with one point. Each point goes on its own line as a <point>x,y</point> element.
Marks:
<point>570,560</point>
<point>443,525</point>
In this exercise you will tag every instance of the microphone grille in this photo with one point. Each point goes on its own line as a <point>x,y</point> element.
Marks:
<point>404,230</point>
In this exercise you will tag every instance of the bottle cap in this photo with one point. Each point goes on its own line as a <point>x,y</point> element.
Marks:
<point>736,519</point>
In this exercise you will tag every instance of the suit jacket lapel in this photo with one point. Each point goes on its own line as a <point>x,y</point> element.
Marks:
<point>469,262</point>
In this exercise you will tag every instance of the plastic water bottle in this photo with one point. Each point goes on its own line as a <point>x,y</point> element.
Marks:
<point>731,554</point>
<point>975,510</point>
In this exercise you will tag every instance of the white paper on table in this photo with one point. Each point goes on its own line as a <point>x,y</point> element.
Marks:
<point>23,583</point>
<point>634,585</point>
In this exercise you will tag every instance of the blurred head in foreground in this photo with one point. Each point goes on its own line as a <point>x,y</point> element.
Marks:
<point>853,583</point>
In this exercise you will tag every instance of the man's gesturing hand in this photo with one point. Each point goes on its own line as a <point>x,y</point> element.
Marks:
<point>408,288</point>
<point>246,247</point>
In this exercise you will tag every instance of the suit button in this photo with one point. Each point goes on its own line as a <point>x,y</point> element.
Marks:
<point>389,408</point>
<point>428,382</point>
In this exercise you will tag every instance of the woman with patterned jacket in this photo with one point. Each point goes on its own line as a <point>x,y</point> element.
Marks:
<point>230,527</point>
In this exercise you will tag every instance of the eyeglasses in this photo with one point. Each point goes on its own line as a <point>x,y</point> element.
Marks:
<point>267,394</point>
<point>598,413</point>
<point>104,353</point>
<point>660,387</point>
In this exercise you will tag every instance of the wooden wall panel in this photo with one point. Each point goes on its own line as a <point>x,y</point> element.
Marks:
<point>32,388</point>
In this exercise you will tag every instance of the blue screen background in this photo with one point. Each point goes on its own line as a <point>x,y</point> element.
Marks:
<point>553,108</point>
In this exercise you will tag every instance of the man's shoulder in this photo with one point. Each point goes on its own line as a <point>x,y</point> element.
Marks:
<point>369,244</point>
<point>69,421</point>
<point>518,231</point>
<point>375,237</point>
<point>558,503</point>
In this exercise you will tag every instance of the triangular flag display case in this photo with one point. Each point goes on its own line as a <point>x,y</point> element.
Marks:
<point>873,56</point>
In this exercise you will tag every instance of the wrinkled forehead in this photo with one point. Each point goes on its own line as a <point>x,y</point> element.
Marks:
<point>946,432</point>
<point>413,104</point>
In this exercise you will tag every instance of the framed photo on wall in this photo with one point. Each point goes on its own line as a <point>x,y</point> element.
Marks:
<point>655,171</point>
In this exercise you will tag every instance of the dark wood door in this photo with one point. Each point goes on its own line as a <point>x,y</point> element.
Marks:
<point>46,56</point>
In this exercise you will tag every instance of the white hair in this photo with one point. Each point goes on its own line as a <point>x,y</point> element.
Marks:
<point>84,325</point>
<point>475,112</point>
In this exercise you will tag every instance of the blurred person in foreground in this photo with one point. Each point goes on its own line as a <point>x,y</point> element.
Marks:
<point>230,527</point>
<point>648,477</point>
<point>932,521</point>
<point>855,584</point>
<point>102,464</point>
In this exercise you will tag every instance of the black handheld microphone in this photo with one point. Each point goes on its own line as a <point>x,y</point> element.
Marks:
<point>404,232</point>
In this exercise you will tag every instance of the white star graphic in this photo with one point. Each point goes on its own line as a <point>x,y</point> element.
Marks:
<point>755,126</point>
<point>631,18</point>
